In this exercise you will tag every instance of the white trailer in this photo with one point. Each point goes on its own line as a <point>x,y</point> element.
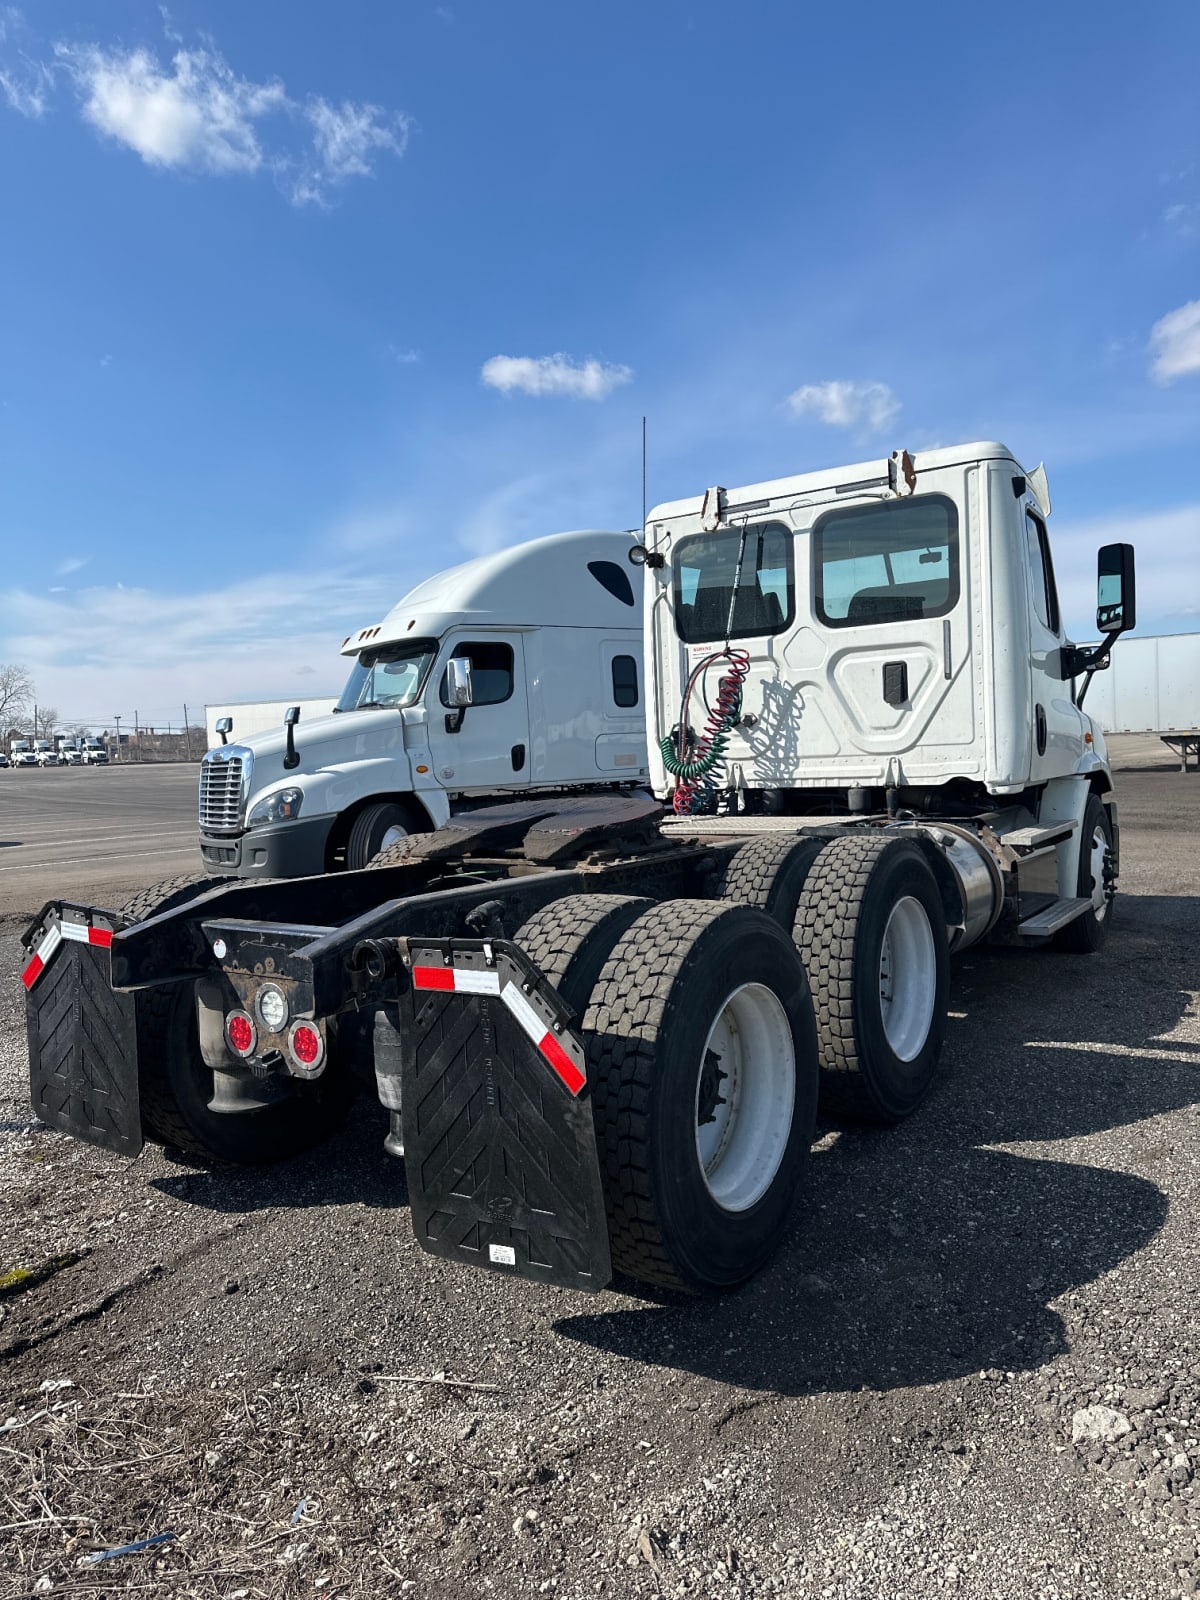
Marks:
<point>543,644</point>
<point>1153,686</point>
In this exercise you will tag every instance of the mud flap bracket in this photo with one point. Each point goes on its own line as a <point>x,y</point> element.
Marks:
<point>499,1146</point>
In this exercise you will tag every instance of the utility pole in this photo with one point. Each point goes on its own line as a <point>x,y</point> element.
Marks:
<point>187,733</point>
<point>117,720</point>
<point>137,738</point>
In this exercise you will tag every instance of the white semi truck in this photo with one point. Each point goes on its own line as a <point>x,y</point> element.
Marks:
<point>23,754</point>
<point>548,637</point>
<point>600,1031</point>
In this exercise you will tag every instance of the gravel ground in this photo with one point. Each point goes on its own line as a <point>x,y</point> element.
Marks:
<point>972,1370</point>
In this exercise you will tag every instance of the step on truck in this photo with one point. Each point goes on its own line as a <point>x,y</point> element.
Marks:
<point>599,1025</point>
<point>548,635</point>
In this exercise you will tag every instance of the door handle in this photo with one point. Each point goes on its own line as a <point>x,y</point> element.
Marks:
<point>518,757</point>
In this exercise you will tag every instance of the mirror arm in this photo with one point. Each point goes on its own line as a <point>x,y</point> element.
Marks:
<point>454,719</point>
<point>1089,661</point>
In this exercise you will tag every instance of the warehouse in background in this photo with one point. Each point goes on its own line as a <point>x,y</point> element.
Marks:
<point>258,716</point>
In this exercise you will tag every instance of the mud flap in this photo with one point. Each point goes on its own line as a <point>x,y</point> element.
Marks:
<point>499,1146</point>
<point>82,1034</point>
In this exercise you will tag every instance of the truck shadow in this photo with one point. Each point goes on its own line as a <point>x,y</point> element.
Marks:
<point>919,1254</point>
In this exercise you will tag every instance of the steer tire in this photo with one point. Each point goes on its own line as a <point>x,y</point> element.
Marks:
<point>1087,933</point>
<point>769,874</point>
<point>175,1085</point>
<point>570,940</point>
<point>655,1019</point>
<point>370,829</point>
<point>844,916</point>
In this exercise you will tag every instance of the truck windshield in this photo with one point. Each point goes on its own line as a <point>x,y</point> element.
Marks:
<point>390,676</point>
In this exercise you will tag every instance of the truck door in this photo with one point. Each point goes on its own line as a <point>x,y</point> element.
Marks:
<point>1055,732</point>
<point>484,746</point>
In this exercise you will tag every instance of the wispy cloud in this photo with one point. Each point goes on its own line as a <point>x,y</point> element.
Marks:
<point>1183,219</point>
<point>196,114</point>
<point>402,355</point>
<point>136,646</point>
<point>71,564</point>
<point>1168,566</point>
<point>864,408</point>
<point>26,84</point>
<point>1175,344</point>
<point>554,375</point>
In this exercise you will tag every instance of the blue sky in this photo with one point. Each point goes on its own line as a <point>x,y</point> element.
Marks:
<point>302,303</point>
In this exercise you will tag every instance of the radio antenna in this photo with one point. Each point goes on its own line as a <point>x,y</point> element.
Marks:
<point>643,477</point>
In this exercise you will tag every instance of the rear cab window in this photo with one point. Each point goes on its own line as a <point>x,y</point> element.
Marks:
<point>705,566</point>
<point>894,561</point>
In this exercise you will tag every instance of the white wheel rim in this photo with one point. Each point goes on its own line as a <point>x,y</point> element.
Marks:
<point>393,835</point>
<point>907,978</point>
<point>1099,899</point>
<point>746,1091</point>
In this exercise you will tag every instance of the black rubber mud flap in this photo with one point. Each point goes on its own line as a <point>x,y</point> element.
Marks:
<point>82,1034</point>
<point>499,1146</point>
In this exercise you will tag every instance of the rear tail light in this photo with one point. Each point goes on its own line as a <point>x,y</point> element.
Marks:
<point>307,1048</point>
<point>241,1033</point>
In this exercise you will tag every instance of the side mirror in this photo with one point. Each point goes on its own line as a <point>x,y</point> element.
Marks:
<point>290,718</point>
<point>459,686</point>
<point>224,728</point>
<point>1116,589</point>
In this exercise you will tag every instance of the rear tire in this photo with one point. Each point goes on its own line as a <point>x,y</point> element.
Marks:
<point>769,874</point>
<point>377,828</point>
<point>175,1085</point>
<point>570,940</point>
<point>1087,933</point>
<point>871,929</point>
<point>702,1062</point>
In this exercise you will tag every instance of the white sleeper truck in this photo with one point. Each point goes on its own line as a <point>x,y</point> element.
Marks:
<point>599,1025</point>
<point>23,753</point>
<point>516,672</point>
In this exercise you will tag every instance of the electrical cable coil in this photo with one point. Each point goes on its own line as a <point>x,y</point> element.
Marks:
<point>694,770</point>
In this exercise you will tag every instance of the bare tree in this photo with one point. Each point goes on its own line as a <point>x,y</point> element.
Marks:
<point>45,722</point>
<point>16,693</point>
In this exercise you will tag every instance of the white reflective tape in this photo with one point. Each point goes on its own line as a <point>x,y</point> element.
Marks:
<point>524,1013</point>
<point>468,981</point>
<point>49,944</point>
<point>78,931</point>
<point>503,1254</point>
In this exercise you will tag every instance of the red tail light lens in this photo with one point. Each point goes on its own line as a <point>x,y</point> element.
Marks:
<point>241,1033</point>
<point>307,1048</point>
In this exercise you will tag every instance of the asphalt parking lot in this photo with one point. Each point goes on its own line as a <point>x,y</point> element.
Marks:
<point>91,832</point>
<point>265,1366</point>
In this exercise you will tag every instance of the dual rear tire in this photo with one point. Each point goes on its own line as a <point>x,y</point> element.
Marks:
<point>703,1071</point>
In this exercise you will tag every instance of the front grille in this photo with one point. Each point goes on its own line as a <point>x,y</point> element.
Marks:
<point>221,778</point>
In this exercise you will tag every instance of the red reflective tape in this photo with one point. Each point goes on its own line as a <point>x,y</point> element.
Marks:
<point>100,936</point>
<point>562,1063</point>
<point>33,972</point>
<point>433,978</point>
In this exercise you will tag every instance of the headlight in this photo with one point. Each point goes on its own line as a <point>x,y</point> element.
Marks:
<point>281,806</point>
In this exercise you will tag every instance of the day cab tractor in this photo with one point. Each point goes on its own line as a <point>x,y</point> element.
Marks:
<point>600,1024</point>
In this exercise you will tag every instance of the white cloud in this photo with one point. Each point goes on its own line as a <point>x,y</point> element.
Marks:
<point>1175,343</point>
<point>557,374</point>
<point>402,355</point>
<point>863,407</point>
<point>195,113</point>
<point>71,564</point>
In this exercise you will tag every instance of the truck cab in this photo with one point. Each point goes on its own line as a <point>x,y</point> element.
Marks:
<point>95,753</point>
<point>517,671</point>
<point>23,754</point>
<point>45,753</point>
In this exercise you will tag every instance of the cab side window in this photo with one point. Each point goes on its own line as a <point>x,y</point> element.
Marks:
<point>491,672</point>
<point>625,681</point>
<point>1041,572</point>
